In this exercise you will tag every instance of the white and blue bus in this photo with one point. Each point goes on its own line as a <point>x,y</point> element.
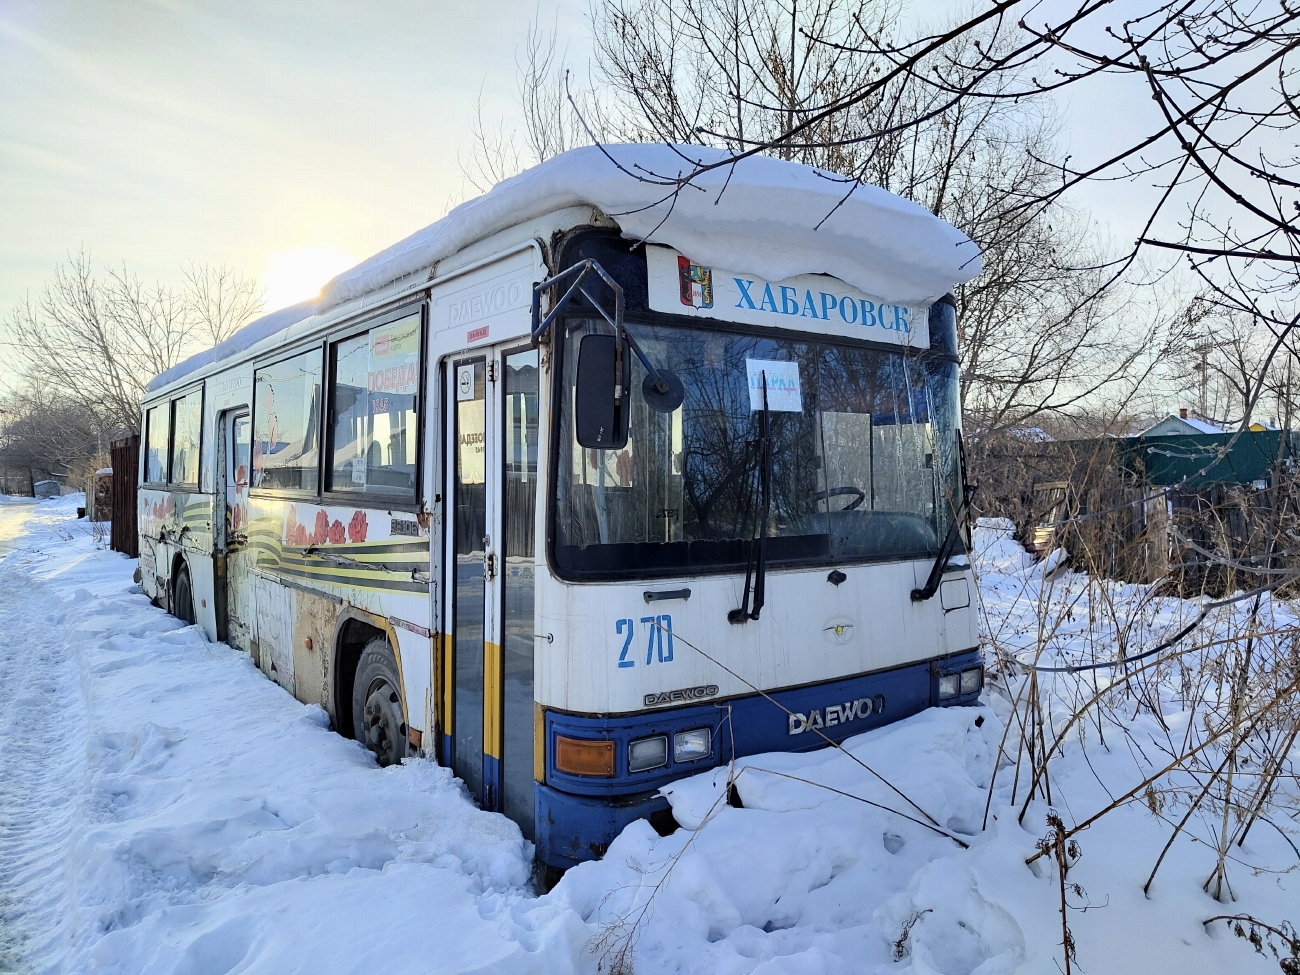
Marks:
<point>590,486</point>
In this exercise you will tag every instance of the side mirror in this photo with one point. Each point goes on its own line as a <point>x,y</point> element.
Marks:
<point>601,402</point>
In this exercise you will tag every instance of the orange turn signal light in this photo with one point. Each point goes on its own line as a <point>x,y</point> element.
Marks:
<point>578,756</point>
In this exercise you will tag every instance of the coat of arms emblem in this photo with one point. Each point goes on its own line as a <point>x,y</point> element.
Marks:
<point>696,283</point>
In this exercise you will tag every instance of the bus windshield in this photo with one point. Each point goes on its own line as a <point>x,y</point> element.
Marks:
<point>863,446</point>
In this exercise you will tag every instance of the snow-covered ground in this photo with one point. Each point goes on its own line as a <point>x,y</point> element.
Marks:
<point>14,513</point>
<point>165,809</point>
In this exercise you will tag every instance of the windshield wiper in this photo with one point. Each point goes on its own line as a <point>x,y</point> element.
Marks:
<point>945,551</point>
<point>758,547</point>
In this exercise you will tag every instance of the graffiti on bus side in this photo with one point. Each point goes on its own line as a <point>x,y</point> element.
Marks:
<point>237,501</point>
<point>158,513</point>
<point>658,634</point>
<point>321,531</point>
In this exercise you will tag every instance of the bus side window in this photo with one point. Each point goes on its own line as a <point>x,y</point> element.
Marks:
<point>187,419</point>
<point>286,434</point>
<point>374,397</point>
<point>157,426</point>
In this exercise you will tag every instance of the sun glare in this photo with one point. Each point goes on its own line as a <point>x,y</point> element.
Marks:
<point>294,276</point>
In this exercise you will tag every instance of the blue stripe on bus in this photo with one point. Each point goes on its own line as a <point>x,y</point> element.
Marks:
<point>752,724</point>
<point>577,815</point>
<point>491,783</point>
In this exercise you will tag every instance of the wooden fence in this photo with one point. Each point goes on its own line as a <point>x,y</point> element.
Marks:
<point>126,471</point>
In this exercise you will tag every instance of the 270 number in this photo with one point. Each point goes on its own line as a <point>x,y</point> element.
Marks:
<point>659,640</point>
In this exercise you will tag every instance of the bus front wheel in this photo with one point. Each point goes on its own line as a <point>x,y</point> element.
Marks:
<point>377,703</point>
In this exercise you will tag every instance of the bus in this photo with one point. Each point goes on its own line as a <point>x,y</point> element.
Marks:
<point>591,485</point>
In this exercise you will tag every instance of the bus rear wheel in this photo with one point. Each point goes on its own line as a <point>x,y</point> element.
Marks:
<point>183,597</point>
<point>377,703</point>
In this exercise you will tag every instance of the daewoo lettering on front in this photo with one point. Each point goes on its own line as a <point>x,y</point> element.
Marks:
<point>583,489</point>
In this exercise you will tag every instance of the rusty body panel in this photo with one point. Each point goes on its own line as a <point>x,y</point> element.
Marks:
<point>314,627</point>
<point>176,526</point>
<point>308,569</point>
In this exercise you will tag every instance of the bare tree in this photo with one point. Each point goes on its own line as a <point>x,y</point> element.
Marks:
<point>96,341</point>
<point>733,73</point>
<point>1043,330</point>
<point>43,436</point>
<point>220,300</point>
<point>548,123</point>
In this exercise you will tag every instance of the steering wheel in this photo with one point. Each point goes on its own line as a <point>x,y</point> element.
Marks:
<point>837,492</point>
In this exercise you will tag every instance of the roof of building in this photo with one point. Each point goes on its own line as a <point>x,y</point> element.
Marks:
<point>1174,425</point>
<point>1030,434</point>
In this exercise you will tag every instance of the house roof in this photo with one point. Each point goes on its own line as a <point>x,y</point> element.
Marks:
<point>1174,425</point>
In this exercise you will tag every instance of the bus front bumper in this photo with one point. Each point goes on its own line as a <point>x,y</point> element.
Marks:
<point>578,816</point>
<point>572,829</point>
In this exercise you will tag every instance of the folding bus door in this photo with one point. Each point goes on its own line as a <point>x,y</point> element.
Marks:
<point>235,555</point>
<point>491,489</point>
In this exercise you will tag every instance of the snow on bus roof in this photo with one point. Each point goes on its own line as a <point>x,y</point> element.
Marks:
<point>245,338</point>
<point>763,216</point>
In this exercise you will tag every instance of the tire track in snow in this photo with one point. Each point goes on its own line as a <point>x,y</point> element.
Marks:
<point>166,809</point>
<point>42,758</point>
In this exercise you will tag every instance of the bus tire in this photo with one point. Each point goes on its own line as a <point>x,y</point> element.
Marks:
<point>183,596</point>
<point>377,704</point>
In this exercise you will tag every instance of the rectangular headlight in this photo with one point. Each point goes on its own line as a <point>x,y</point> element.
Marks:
<point>971,680</point>
<point>579,756</point>
<point>948,685</point>
<point>691,746</point>
<point>647,753</point>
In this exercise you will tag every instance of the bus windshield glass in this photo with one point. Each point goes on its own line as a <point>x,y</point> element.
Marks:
<point>863,445</point>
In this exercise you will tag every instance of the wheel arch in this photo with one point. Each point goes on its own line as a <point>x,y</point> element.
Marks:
<point>353,630</point>
<point>178,563</point>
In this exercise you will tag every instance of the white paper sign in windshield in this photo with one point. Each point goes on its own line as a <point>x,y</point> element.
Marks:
<point>811,302</point>
<point>783,394</point>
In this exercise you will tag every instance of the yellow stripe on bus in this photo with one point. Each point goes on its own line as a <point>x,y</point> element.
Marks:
<point>492,700</point>
<point>539,743</point>
<point>444,683</point>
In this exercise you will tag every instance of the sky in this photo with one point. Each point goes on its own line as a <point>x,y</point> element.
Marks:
<point>286,140</point>
<point>276,138</point>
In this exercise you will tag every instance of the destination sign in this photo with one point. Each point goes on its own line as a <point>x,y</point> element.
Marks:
<point>810,302</point>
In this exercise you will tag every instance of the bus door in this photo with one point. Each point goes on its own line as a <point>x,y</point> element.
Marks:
<point>492,431</point>
<point>235,556</point>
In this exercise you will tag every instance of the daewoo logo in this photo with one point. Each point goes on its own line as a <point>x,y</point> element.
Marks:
<point>836,714</point>
<point>491,300</point>
<point>682,695</point>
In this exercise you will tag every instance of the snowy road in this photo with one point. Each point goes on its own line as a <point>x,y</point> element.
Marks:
<point>43,726</point>
<point>165,809</point>
<point>14,513</point>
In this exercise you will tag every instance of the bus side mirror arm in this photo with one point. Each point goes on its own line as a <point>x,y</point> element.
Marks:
<point>575,276</point>
<point>662,389</point>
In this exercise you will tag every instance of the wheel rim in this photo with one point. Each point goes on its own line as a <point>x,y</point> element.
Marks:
<point>384,730</point>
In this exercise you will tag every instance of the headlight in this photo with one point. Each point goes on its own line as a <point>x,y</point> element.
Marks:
<point>971,680</point>
<point>690,746</point>
<point>647,753</point>
<point>948,685</point>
